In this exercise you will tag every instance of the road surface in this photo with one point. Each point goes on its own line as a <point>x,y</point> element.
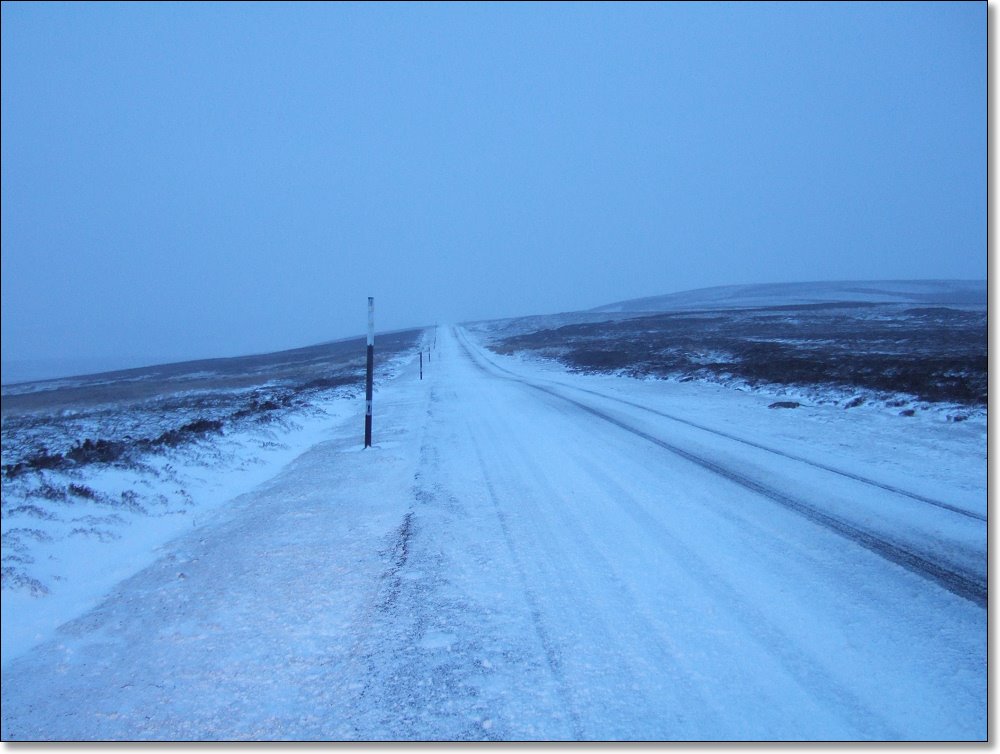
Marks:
<point>522,558</point>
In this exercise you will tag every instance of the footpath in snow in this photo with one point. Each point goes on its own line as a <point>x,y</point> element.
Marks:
<point>526,554</point>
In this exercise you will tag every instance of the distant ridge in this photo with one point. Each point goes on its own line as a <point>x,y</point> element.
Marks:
<point>924,292</point>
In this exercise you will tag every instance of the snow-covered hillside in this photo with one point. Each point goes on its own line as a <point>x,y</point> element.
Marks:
<point>100,471</point>
<point>917,292</point>
<point>915,349</point>
<point>528,553</point>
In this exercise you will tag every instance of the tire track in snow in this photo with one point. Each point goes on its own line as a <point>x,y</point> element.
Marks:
<point>757,624</point>
<point>391,580</point>
<point>784,454</point>
<point>967,586</point>
<point>552,656</point>
<point>416,683</point>
<point>596,603</point>
<point>426,641</point>
<point>577,537</point>
<point>389,699</point>
<point>963,585</point>
<point>816,464</point>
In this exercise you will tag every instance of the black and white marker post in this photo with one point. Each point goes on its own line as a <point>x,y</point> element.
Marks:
<point>368,372</point>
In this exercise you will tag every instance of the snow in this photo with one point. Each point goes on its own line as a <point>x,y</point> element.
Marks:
<point>926,453</point>
<point>81,557</point>
<point>77,548</point>
<point>517,559</point>
<point>952,292</point>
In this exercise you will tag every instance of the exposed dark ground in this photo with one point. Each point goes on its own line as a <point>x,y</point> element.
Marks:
<point>932,353</point>
<point>117,416</point>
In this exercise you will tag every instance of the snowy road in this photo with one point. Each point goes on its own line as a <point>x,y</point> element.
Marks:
<point>522,556</point>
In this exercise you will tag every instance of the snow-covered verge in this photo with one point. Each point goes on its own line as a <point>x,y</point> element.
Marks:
<point>96,478</point>
<point>909,361</point>
<point>927,452</point>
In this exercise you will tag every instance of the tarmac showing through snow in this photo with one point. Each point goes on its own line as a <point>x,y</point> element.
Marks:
<point>523,556</point>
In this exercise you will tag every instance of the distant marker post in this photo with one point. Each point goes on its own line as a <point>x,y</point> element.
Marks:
<point>369,370</point>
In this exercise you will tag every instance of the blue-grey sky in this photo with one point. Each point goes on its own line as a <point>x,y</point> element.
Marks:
<point>192,180</point>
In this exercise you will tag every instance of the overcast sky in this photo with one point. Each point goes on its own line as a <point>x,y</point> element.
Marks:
<point>193,180</point>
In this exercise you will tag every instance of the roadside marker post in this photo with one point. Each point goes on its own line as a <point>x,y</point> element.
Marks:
<point>369,370</point>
